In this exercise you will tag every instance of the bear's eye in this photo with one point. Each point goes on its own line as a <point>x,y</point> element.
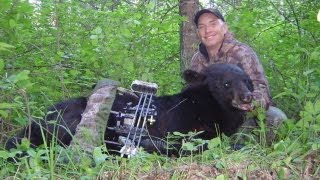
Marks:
<point>227,85</point>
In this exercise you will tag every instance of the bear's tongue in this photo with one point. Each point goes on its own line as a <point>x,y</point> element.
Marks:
<point>245,107</point>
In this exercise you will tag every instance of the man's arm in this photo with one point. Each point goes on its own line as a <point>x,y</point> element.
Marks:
<point>198,62</point>
<point>252,66</point>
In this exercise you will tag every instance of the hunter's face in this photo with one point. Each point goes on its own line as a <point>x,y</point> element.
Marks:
<point>211,30</point>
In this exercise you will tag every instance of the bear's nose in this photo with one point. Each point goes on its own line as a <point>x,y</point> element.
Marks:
<point>246,97</point>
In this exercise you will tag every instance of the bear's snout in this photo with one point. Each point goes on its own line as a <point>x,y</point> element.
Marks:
<point>246,97</point>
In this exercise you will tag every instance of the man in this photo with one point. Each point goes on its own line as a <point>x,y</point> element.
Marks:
<point>219,46</point>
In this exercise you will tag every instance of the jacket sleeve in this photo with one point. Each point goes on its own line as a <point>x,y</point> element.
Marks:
<point>251,65</point>
<point>198,62</point>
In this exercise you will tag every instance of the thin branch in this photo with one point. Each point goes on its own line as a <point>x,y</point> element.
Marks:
<point>265,30</point>
<point>295,17</point>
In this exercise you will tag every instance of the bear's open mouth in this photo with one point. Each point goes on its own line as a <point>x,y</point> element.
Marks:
<point>244,107</point>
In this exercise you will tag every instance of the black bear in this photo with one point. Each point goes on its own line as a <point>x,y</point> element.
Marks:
<point>214,101</point>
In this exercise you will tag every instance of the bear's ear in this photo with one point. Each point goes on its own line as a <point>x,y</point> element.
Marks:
<point>191,76</point>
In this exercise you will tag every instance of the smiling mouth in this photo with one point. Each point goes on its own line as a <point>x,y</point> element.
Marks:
<point>210,37</point>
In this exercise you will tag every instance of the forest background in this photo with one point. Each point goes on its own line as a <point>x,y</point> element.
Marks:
<point>54,50</point>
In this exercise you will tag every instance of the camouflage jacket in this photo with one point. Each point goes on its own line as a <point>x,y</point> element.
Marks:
<point>235,52</point>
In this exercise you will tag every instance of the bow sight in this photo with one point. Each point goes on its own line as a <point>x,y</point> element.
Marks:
<point>131,126</point>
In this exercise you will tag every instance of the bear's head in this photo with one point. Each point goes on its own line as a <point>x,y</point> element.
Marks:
<point>227,83</point>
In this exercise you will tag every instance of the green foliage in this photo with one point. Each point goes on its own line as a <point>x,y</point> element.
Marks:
<point>62,48</point>
<point>190,142</point>
<point>15,86</point>
<point>4,47</point>
<point>58,49</point>
<point>98,155</point>
<point>284,35</point>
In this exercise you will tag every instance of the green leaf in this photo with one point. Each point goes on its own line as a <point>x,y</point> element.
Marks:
<point>309,107</point>
<point>99,156</point>
<point>221,177</point>
<point>317,106</point>
<point>5,46</point>
<point>315,147</point>
<point>280,146</point>
<point>220,165</point>
<point>199,141</point>
<point>23,75</point>
<point>314,55</point>
<point>4,154</point>
<point>176,133</point>
<point>12,23</point>
<point>74,72</point>
<point>306,73</point>
<point>126,32</point>
<point>94,37</point>
<point>4,114</point>
<point>129,66</point>
<point>21,79</point>
<point>6,105</point>
<point>287,160</point>
<point>1,65</point>
<point>24,145</point>
<point>213,143</point>
<point>189,146</point>
<point>97,30</point>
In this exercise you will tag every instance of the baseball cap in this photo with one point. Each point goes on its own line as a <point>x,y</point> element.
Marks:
<point>213,11</point>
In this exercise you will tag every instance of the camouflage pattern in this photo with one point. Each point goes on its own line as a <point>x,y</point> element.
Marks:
<point>90,131</point>
<point>240,54</point>
<point>234,52</point>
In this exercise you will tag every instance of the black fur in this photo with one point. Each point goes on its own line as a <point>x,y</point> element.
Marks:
<point>215,98</point>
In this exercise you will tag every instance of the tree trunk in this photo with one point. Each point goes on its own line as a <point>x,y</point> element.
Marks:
<point>188,34</point>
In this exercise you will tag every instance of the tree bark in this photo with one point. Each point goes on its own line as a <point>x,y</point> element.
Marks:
<point>188,34</point>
